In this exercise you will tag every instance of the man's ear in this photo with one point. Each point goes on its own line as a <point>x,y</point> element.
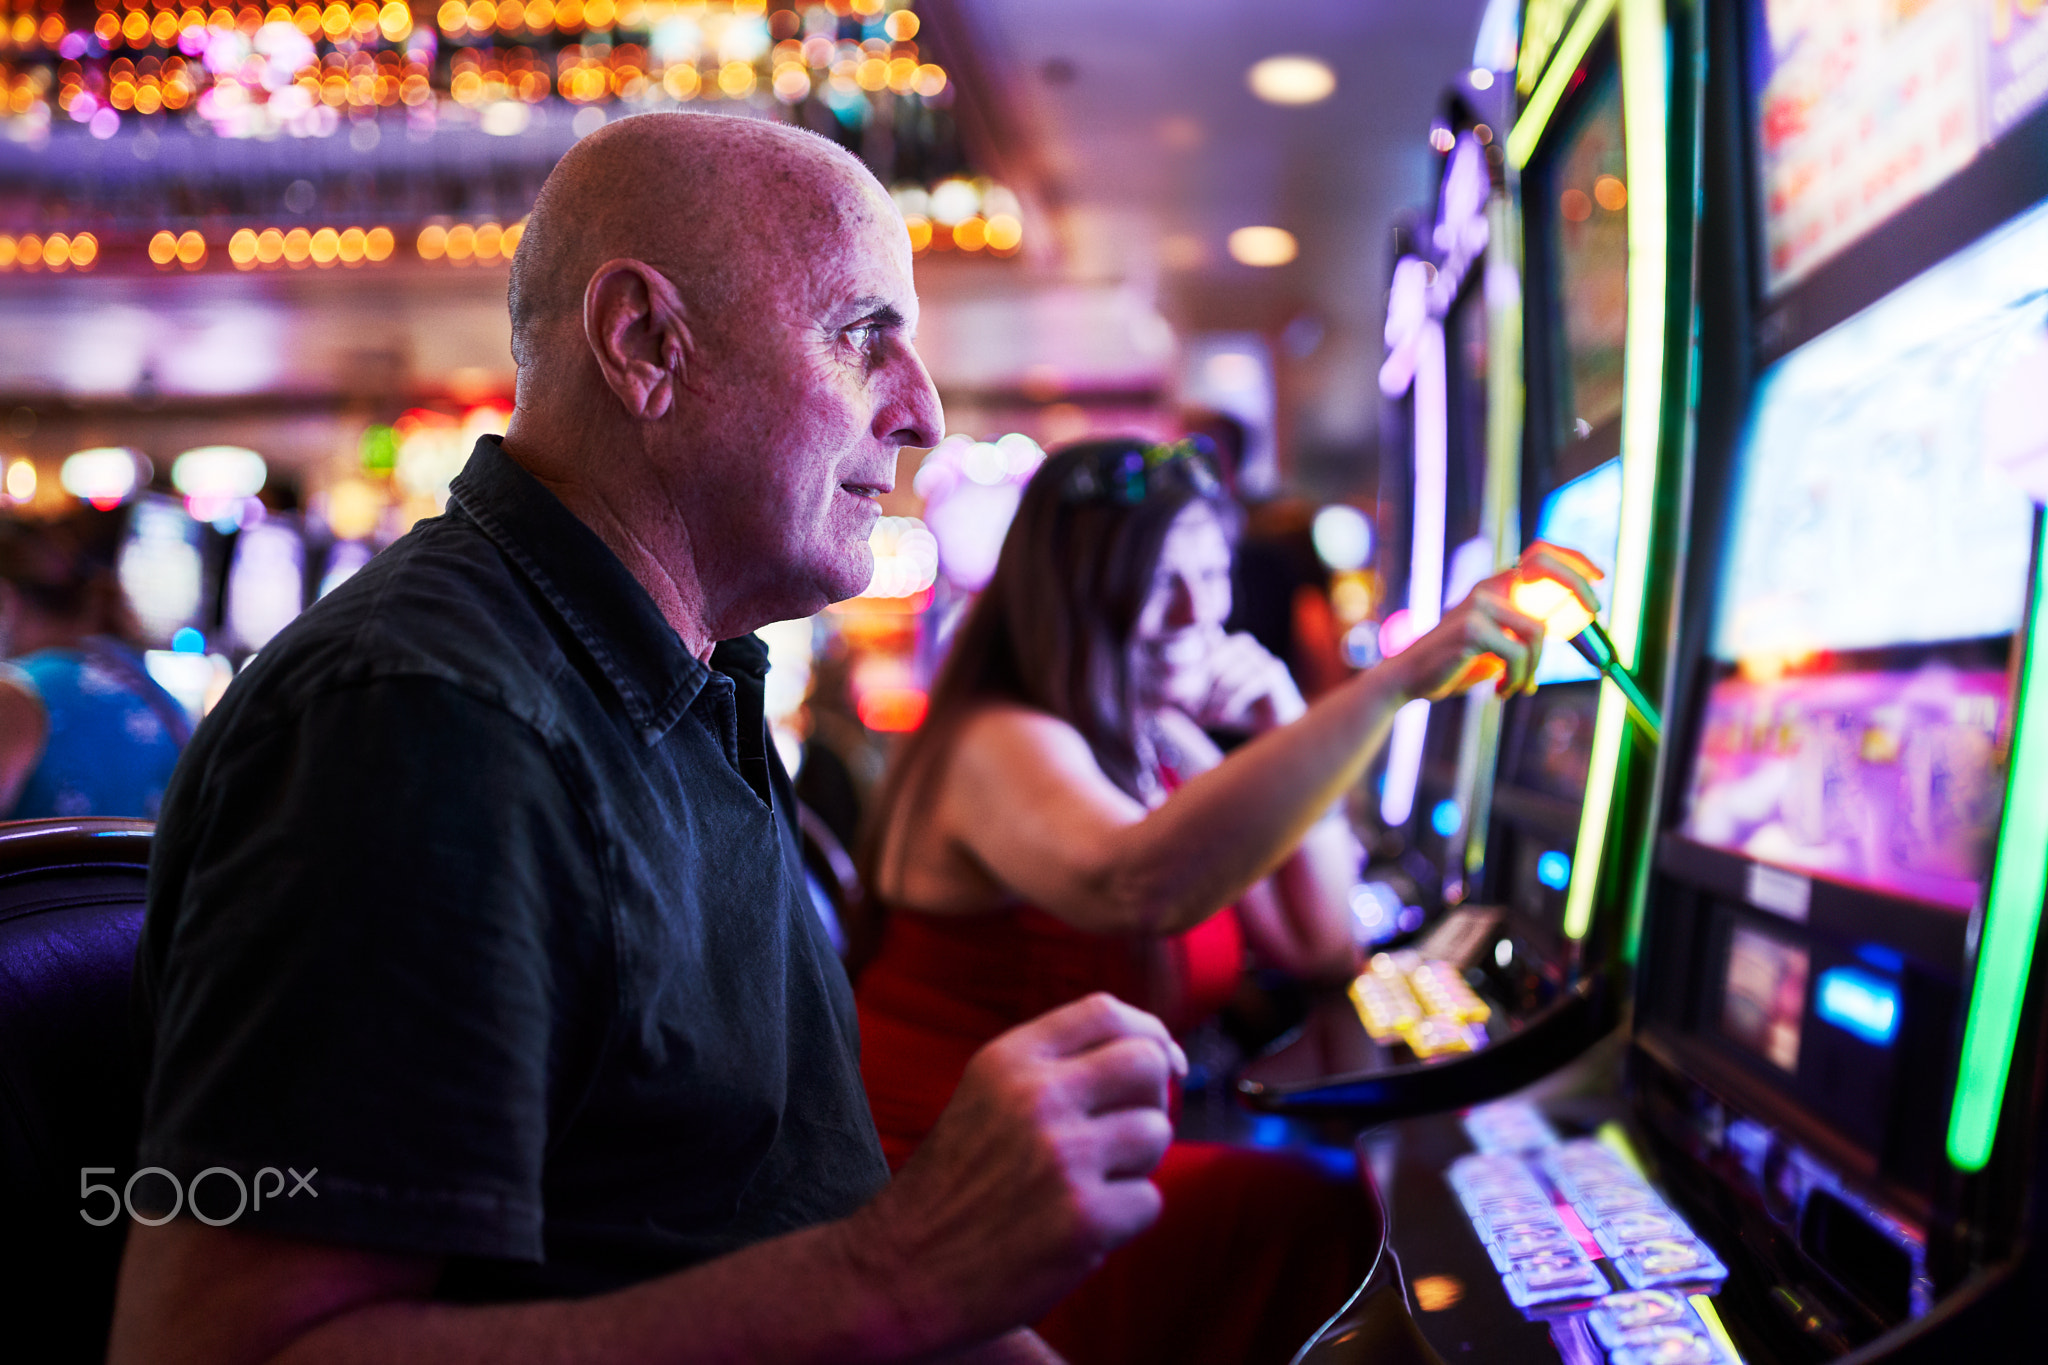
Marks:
<point>633,319</point>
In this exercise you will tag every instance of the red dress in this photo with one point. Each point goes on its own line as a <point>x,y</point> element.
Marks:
<point>1254,1249</point>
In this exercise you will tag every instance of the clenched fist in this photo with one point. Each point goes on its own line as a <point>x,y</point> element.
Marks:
<point>1036,1170</point>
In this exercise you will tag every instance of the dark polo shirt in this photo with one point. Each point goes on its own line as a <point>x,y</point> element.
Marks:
<point>479,894</point>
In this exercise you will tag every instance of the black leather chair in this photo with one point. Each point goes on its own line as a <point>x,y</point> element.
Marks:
<point>71,897</point>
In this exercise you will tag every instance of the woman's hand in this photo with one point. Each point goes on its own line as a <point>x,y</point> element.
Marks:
<point>1249,689</point>
<point>1486,637</point>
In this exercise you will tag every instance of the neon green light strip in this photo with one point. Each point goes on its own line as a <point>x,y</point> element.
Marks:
<point>1645,111</point>
<point>1645,105</point>
<point>1614,1138</point>
<point>1610,725</point>
<point>1716,1329</point>
<point>2012,913</point>
<point>1500,518</point>
<point>1535,116</point>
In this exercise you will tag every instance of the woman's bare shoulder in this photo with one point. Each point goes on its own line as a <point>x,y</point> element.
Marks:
<point>1005,734</point>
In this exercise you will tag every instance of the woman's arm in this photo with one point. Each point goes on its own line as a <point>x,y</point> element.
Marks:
<point>1299,919</point>
<point>1024,799</point>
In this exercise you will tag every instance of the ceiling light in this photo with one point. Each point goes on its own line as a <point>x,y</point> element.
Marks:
<point>1291,80</point>
<point>1263,246</point>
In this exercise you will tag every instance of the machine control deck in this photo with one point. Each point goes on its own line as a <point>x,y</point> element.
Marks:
<point>1581,1238</point>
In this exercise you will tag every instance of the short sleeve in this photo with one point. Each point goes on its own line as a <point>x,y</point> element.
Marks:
<point>376,950</point>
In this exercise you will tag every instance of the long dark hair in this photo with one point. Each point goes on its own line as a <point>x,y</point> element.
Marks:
<point>1052,631</point>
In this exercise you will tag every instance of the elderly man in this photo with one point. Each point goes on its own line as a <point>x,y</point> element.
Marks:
<point>475,907</point>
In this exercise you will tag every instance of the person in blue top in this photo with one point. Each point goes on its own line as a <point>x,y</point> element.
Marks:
<point>84,730</point>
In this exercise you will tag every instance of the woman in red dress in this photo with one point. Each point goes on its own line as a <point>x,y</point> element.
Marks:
<point>1062,824</point>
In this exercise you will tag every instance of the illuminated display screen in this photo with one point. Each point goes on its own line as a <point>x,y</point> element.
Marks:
<point>266,583</point>
<point>1591,191</point>
<point>1866,105</point>
<point>1888,779</point>
<point>1551,746</point>
<point>1877,569</point>
<point>1583,515</point>
<point>162,569</point>
<point>1763,997</point>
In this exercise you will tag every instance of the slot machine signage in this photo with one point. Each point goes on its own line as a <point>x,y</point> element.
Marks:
<point>1419,300</point>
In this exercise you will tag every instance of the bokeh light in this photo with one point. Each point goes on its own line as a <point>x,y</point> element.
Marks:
<point>1292,79</point>
<point>1263,246</point>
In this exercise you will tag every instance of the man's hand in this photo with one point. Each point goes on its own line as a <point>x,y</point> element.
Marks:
<point>1485,637</point>
<point>1249,689</point>
<point>1036,1170</point>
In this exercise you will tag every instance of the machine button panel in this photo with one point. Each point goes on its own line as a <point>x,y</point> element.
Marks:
<point>1508,1126</point>
<point>1550,1211</point>
<point>1648,1243</point>
<point>1539,1260</point>
<point>1653,1327</point>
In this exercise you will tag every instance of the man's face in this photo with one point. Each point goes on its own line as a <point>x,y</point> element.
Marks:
<point>802,399</point>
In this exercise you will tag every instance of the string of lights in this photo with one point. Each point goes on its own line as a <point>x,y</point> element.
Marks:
<point>150,76</point>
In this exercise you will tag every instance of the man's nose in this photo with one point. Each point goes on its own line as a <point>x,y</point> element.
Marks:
<point>911,414</point>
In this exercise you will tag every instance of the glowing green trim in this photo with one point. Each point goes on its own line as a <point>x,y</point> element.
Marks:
<point>1614,1138</point>
<point>1500,518</point>
<point>1645,112</point>
<point>2012,912</point>
<point>1610,726</point>
<point>1535,116</point>
<point>1716,1329</point>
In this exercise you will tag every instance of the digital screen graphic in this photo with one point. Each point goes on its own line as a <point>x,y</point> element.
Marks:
<point>1763,998</point>
<point>1883,489</point>
<point>1591,192</point>
<point>1867,105</point>
<point>1890,780</point>
<point>1878,564</point>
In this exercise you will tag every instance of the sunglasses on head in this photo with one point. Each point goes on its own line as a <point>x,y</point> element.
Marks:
<point>1127,476</point>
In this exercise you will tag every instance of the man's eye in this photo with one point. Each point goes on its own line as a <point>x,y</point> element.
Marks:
<point>864,335</point>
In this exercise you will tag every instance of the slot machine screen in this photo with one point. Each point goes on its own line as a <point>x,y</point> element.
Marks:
<point>1856,719</point>
<point>266,582</point>
<point>1590,186</point>
<point>1864,106</point>
<point>163,568</point>
<point>1763,996</point>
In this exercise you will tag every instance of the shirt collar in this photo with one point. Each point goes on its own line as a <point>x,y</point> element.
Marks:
<point>600,601</point>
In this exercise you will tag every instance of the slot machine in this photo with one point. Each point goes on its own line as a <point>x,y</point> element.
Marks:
<point>1539,803</point>
<point>1820,1138</point>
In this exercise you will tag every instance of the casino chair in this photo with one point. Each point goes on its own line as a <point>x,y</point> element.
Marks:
<point>1375,1326</point>
<point>71,897</point>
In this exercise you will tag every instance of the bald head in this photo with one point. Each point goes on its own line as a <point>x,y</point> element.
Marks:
<point>715,203</point>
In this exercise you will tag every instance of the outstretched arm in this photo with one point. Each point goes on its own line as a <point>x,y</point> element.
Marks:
<point>1071,841</point>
